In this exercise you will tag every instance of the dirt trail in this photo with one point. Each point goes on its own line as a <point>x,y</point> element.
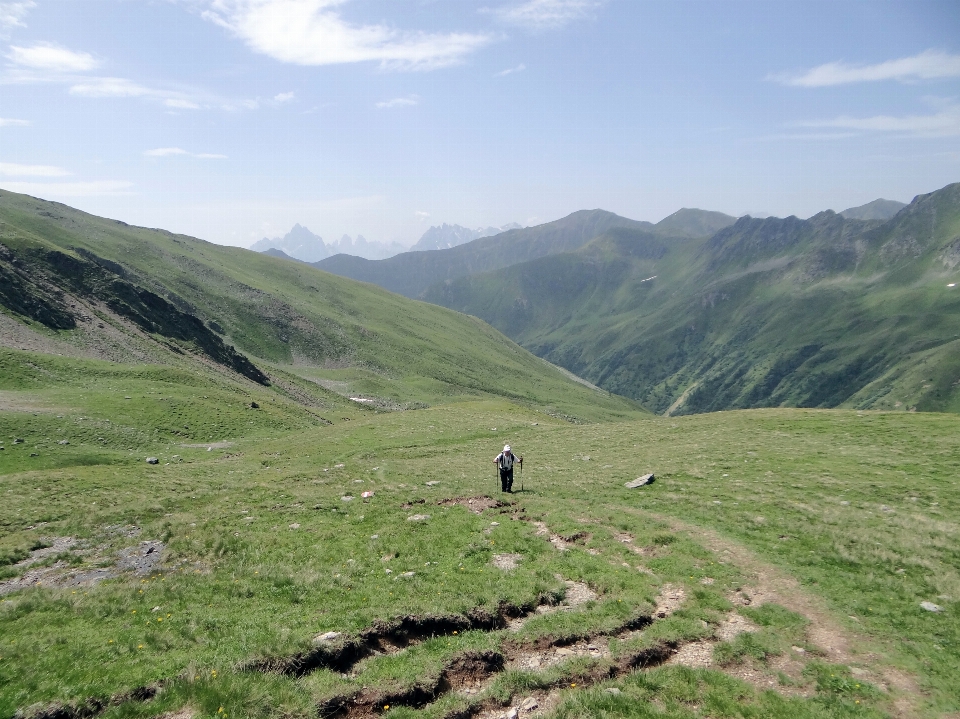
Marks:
<point>839,644</point>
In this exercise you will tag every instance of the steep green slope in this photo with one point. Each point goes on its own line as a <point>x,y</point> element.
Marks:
<point>165,298</point>
<point>814,313</point>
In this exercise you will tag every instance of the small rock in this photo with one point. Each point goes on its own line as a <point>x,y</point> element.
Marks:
<point>64,441</point>
<point>407,574</point>
<point>374,536</point>
<point>295,525</point>
<point>885,508</point>
<point>155,609</point>
<point>153,460</point>
<point>564,652</point>
<point>418,517</point>
<point>338,466</point>
<point>434,483</point>
<point>327,637</point>
<point>389,571</point>
<point>254,405</point>
<point>844,503</point>
<point>18,441</point>
<point>931,607</point>
<point>799,650</point>
<point>612,690</point>
<point>494,524</point>
<point>347,498</point>
<point>366,495</point>
<point>512,714</point>
<point>640,481</point>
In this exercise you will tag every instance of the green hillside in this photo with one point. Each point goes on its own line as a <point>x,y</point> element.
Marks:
<point>823,312</point>
<point>100,289</point>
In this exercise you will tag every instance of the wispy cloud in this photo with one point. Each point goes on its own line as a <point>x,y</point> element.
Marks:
<point>509,71</point>
<point>422,215</point>
<point>929,65</point>
<point>283,97</point>
<point>312,32</point>
<point>945,123</point>
<point>15,170</point>
<point>12,14</point>
<point>181,104</point>
<point>399,102</point>
<point>51,58</point>
<point>112,87</point>
<point>69,189</point>
<point>546,14</point>
<point>11,122</point>
<point>171,151</point>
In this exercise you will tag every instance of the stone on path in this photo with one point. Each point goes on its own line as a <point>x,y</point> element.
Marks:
<point>529,704</point>
<point>327,637</point>
<point>640,481</point>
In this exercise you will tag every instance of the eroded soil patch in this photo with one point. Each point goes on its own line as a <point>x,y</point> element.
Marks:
<point>473,504</point>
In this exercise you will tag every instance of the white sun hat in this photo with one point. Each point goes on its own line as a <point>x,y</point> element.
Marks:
<point>506,448</point>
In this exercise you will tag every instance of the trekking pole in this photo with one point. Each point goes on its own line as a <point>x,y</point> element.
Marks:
<point>521,475</point>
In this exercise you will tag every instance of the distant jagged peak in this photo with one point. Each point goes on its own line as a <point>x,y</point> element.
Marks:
<point>877,210</point>
<point>444,236</point>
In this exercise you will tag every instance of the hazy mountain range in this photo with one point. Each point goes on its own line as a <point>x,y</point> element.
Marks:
<point>301,244</point>
<point>411,273</point>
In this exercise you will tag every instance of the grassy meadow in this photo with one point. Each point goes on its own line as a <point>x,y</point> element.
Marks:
<point>267,543</point>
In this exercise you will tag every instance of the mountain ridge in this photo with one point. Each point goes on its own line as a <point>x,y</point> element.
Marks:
<point>828,311</point>
<point>410,274</point>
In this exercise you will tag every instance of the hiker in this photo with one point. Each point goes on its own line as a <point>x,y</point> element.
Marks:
<point>504,462</point>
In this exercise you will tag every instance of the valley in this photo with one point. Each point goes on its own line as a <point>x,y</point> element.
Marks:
<point>236,485</point>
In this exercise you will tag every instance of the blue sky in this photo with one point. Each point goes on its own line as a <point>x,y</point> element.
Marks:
<point>233,119</point>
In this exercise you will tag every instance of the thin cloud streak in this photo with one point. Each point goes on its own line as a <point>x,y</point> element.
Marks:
<point>942,124</point>
<point>173,151</point>
<point>399,102</point>
<point>12,122</point>
<point>509,71</point>
<point>929,65</point>
<point>311,32</point>
<point>545,14</point>
<point>15,170</point>
<point>52,58</point>
<point>102,87</point>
